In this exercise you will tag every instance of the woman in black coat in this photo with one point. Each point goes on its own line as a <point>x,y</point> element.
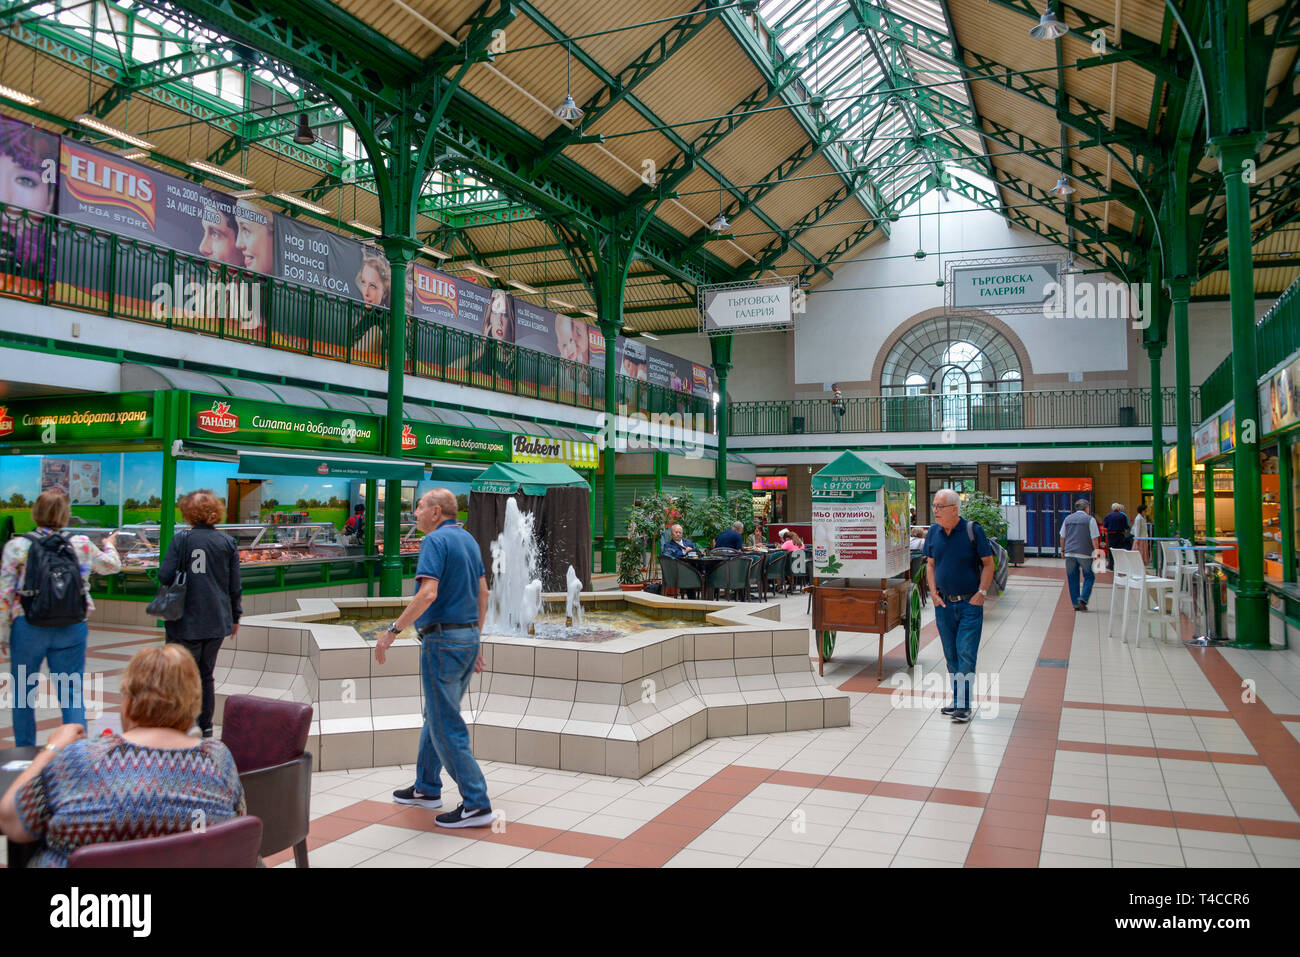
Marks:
<point>210,562</point>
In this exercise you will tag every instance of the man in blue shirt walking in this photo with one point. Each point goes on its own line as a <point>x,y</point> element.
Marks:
<point>447,611</point>
<point>959,568</point>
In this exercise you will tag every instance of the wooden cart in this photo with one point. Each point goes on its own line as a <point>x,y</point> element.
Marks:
<point>838,605</point>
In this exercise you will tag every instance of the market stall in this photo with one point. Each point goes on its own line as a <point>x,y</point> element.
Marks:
<point>558,499</point>
<point>861,557</point>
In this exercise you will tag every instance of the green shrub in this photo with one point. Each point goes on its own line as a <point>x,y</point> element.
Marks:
<point>978,507</point>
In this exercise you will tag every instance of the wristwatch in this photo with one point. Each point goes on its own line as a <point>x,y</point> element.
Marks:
<point>984,593</point>
<point>51,747</point>
<point>393,627</point>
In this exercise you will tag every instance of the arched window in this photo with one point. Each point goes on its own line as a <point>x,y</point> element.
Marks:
<point>947,352</point>
<point>1011,381</point>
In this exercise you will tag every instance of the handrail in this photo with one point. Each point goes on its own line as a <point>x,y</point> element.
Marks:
<point>55,262</point>
<point>954,412</point>
<point>1277,336</point>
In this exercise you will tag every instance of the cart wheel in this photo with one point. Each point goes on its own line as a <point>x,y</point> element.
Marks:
<point>912,644</point>
<point>828,644</point>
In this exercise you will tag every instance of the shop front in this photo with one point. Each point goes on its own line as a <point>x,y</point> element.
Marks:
<point>1048,501</point>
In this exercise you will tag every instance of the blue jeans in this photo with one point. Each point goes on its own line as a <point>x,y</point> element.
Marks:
<point>1073,566</point>
<point>960,624</point>
<point>64,648</point>
<point>446,665</point>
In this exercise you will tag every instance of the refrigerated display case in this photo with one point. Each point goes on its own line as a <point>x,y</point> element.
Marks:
<point>411,538</point>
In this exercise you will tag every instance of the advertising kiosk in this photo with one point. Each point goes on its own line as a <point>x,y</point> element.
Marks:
<point>861,560</point>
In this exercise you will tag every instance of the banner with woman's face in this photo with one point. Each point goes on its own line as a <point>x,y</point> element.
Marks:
<point>29,173</point>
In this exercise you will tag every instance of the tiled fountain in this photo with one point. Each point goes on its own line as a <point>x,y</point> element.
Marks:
<point>636,684</point>
<point>621,706</point>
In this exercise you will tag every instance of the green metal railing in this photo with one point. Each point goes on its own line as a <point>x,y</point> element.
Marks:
<point>966,411</point>
<point>52,261</point>
<point>1277,336</point>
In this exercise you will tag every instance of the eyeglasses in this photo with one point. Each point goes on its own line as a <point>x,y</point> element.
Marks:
<point>940,508</point>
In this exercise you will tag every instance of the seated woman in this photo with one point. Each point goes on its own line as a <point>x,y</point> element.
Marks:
<point>790,541</point>
<point>151,780</point>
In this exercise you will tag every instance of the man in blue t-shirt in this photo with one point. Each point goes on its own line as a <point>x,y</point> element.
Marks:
<point>1116,524</point>
<point>959,569</point>
<point>447,611</point>
<point>733,537</point>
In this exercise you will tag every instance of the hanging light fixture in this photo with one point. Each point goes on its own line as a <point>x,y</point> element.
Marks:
<point>304,136</point>
<point>212,169</point>
<point>569,111</point>
<point>720,225</point>
<point>99,126</point>
<point>300,202</point>
<point>1049,27</point>
<point>1063,187</point>
<point>18,96</point>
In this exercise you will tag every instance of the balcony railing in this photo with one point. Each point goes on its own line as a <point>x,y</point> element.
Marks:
<point>956,412</point>
<point>1277,336</point>
<point>51,261</point>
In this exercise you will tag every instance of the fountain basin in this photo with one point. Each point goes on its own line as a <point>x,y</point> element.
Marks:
<point>621,706</point>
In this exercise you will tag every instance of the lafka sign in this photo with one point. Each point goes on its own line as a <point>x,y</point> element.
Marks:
<point>218,419</point>
<point>548,448</point>
<point>121,192</point>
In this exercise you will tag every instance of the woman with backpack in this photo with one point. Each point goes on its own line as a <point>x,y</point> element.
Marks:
<point>44,601</point>
<point>209,560</point>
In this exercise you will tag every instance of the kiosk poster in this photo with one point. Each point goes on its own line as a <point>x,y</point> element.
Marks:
<point>83,482</point>
<point>848,535</point>
<point>54,475</point>
<point>31,182</point>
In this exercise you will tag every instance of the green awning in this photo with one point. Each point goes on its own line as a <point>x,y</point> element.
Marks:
<point>334,465</point>
<point>506,478</point>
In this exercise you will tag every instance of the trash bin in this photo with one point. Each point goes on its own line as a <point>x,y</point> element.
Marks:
<point>796,425</point>
<point>1016,552</point>
<point>1127,416</point>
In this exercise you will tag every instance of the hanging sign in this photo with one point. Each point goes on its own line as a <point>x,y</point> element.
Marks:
<point>764,482</point>
<point>436,441</point>
<point>46,422</point>
<point>1228,430</point>
<point>1205,441</point>
<point>1056,484</point>
<point>1001,286</point>
<point>578,455</point>
<point>743,309</point>
<point>248,421</point>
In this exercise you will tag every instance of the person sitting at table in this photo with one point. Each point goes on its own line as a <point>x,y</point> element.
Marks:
<point>733,537</point>
<point>151,780</point>
<point>679,546</point>
<point>789,540</point>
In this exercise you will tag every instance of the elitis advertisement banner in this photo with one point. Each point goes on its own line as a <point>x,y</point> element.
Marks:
<point>446,300</point>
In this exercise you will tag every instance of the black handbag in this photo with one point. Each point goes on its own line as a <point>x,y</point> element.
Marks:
<point>169,603</point>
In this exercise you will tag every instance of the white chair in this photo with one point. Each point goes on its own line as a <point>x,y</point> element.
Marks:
<point>1163,608</point>
<point>1118,584</point>
<point>1180,567</point>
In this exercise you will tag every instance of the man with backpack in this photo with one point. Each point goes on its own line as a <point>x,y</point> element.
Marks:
<point>959,570</point>
<point>356,524</point>
<point>44,602</point>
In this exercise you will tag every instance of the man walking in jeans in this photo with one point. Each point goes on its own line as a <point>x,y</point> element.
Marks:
<point>959,568</point>
<point>447,611</point>
<point>1080,539</point>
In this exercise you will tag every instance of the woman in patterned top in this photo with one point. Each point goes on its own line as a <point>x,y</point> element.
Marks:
<point>151,780</point>
<point>63,646</point>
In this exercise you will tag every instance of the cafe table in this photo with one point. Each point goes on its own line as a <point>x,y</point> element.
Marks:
<point>705,564</point>
<point>1203,615</point>
<point>19,854</point>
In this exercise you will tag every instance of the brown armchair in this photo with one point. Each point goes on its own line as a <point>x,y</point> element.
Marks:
<point>267,739</point>
<point>232,843</point>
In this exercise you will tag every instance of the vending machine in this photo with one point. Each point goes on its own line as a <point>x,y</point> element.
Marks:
<point>1047,502</point>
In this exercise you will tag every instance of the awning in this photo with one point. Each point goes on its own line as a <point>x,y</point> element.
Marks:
<point>337,465</point>
<point>506,478</point>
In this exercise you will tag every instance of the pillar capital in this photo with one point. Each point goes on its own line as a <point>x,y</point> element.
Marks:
<point>1232,149</point>
<point>399,249</point>
<point>1180,288</point>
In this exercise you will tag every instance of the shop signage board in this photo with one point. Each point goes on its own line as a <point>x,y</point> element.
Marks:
<point>763,482</point>
<point>860,519</point>
<point>578,455</point>
<point>1205,442</point>
<point>240,421</point>
<point>1171,463</point>
<point>732,309</point>
<point>1228,430</point>
<point>431,440</point>
<point>96,418</point>
<point>1002,285</point>
<point>1056,484</point>
<point>1279,398</point>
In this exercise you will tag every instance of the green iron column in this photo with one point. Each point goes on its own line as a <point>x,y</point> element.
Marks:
<point>1179,293</point>
<point>1158,517</point>
<point>1209,500</point>
<point>400,251</point>
<point>609,295</point>
<point>171,431</point>
<point>1252,601</point>
<point>721,349</point>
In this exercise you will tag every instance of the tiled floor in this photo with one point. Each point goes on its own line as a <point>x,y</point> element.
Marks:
<point>1155,756</point>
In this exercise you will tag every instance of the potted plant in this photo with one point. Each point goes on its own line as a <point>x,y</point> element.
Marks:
<point>631,570</point>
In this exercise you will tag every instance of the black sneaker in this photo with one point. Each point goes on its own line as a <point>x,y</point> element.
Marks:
<point>1084,605</point>
<point>463,818</point>
<point>1078,606</point>
<point>947,711</point>
<point>961,716</point>
<point>412,796</point>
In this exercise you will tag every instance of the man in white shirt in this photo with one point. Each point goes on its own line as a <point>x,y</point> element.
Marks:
<point>1080,537</point>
